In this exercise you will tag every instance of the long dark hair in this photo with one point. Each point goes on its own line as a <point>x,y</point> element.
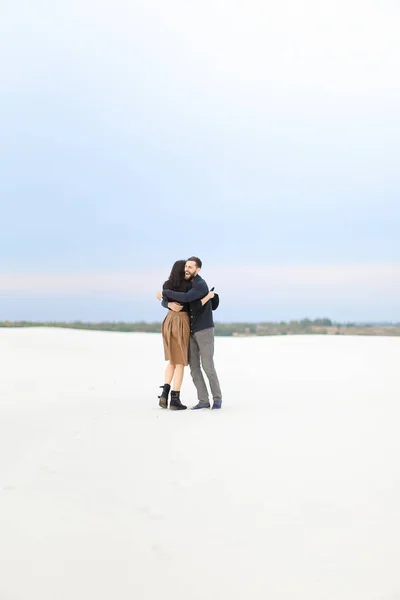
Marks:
<point>177,276</point>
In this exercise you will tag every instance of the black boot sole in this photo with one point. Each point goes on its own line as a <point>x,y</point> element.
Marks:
<point>163,403</point>
<point>178,407</point>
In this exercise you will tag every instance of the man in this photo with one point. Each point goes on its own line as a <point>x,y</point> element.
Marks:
<point>201,346</point>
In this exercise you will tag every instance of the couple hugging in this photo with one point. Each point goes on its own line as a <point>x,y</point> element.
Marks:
<point>188,334</point>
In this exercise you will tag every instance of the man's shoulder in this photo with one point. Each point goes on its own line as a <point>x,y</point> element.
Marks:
<point>199,280</point>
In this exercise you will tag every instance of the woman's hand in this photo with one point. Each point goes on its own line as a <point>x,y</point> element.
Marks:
<point>175,306</point>
<point>159,295</point>
<point>209,296</point>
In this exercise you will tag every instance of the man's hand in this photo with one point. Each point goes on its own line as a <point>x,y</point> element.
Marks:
<point>175,306</point>
<point>159,295</point>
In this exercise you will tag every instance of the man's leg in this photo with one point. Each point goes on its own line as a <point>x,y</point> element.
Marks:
<point>195,371</point>
<point>205,343</point>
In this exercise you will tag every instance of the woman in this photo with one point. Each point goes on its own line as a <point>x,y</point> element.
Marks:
<point>176,335</point>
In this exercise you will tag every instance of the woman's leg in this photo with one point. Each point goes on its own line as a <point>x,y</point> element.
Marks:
<point>169,372</point>
<point>176,403</point>
<point>178,378</point>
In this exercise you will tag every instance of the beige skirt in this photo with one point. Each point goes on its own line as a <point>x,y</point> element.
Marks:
<point>176,334</point>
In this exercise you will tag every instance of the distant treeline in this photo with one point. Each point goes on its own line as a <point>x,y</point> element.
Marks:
<point>305,326</point>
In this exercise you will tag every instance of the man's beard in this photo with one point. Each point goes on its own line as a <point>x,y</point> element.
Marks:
<point>189,276</point>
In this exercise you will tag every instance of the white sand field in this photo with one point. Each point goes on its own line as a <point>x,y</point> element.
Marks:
<point>291,492</point>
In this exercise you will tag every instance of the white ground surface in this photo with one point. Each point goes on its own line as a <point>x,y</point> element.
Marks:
<point>291,492</point>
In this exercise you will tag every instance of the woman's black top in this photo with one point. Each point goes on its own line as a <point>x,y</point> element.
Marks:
<point>184,286</point>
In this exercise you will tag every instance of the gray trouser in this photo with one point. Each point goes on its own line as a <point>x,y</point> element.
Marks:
<point>201,347</point>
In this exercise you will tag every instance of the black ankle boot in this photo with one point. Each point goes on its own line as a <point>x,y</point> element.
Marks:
<point>164,395</point>
<point>175,403</point>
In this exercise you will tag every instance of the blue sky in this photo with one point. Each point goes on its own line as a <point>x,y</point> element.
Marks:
<point>261,136</point>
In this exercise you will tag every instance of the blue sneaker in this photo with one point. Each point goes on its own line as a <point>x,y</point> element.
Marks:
<point>217,404</point>
<point>201,405</point>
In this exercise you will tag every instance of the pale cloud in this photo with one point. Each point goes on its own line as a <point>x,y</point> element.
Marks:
<point>232,50</point>
<point>250,283</point>
<point>130,283</point>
